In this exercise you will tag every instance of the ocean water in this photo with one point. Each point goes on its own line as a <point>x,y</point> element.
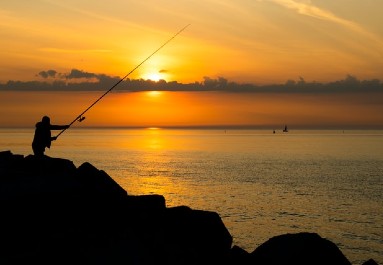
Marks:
<point>262,184</point>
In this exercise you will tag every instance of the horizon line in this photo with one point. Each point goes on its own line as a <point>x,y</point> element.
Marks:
<point>222,127</point>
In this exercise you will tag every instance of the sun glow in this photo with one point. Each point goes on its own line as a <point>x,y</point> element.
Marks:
<point>154,76</point>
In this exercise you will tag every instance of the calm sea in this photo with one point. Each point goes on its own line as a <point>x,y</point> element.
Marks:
<point>262,184</point>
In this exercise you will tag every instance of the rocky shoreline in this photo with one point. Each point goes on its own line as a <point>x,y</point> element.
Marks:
<point>53,212</point>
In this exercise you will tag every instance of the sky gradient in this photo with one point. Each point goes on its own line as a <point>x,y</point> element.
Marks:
<point>262,42</point>
<point>257,41</point>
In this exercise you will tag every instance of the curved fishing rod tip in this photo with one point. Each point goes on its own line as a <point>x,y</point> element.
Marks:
<point>81,119</point>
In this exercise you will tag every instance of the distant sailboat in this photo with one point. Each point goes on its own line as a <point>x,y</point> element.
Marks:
<point>285,129</point>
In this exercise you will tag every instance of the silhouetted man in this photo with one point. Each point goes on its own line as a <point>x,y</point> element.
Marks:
<point>43,137</point>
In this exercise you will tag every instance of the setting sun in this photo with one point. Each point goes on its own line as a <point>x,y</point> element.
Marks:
<point>153,76</point>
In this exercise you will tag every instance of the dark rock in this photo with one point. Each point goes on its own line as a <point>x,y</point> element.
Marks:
<point>298,249</point>
<point>6,156</point>
<point>97,182</point>
<point>47,166</point>
<point>32,177</point>
<point>200,236</point>
<point>146,203</point>
<point>51,209</point>
<point>53,212</point>
<point>370,262</point>
<point>8,163</point>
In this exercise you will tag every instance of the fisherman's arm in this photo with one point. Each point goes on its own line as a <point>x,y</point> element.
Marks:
<point>59,127</point>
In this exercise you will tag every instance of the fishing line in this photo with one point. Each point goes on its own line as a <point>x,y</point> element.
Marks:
<point>80,117</point>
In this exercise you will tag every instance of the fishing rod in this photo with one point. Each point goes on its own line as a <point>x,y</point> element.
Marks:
<point>80,117</point>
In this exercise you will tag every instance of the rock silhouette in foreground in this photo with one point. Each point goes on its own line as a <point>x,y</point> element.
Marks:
<point>55,213</point>
<point>299,249</point>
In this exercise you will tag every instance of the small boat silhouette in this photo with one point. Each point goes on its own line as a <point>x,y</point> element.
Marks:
<point>285,129</point>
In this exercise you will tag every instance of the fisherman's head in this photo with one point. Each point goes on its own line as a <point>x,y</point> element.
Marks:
<point>46,120</point>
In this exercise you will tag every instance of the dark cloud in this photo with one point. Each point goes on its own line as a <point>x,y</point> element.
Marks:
<point>100,82</point>
<point>74,73</point>
<point>215,84</point>
<point>46,74</point>
<point>163,71</point>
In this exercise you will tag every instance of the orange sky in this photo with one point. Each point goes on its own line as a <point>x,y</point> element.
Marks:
<point>259,42</point>
<point>162,109</point>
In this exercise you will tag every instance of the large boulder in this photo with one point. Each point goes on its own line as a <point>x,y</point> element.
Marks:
<point>298,249</point>
<point>31,176</point>
<point>51,209</point>
<point>98,183</point>
<point>34,177</point>
<point>196,236</point>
